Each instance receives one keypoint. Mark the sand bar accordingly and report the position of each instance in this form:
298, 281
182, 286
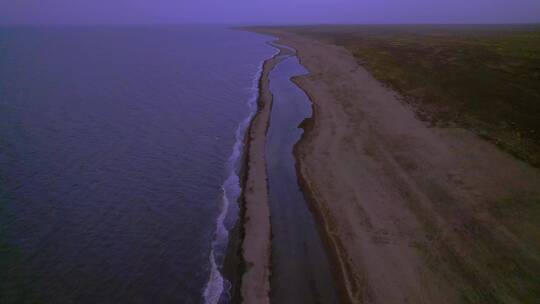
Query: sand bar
256, 247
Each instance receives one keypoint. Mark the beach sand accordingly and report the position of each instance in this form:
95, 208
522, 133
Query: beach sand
254, 285
403, 207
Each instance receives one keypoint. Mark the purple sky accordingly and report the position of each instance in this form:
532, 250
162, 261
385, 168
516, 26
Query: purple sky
268, 11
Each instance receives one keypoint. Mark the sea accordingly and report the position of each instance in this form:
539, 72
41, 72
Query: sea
120, 149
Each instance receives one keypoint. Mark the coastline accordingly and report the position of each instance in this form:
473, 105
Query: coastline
401, 215
342, 274
247, 264
341, 269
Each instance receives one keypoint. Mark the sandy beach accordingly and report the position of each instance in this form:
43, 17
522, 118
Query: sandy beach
270, 152
255, 250
403, 207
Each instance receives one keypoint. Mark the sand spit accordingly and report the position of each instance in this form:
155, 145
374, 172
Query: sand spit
256, 233
403, 207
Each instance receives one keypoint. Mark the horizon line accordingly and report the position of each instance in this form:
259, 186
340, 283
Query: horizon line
264, 24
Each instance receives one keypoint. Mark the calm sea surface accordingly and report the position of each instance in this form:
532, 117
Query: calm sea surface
118, 153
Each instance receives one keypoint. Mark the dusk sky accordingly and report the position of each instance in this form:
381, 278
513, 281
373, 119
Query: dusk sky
267, 11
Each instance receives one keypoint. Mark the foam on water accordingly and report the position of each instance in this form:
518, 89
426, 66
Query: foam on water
120, 165
218, 288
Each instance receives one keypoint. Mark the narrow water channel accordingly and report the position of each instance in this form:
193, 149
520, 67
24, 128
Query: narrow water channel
300, 269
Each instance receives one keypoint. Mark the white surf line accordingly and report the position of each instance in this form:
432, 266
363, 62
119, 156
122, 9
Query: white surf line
217, 285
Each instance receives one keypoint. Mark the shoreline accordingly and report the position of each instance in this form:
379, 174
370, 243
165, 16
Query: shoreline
247, 264
341, 275
301, 268
399, 212
340, 268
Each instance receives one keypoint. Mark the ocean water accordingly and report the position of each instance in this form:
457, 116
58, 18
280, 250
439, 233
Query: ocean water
119, 149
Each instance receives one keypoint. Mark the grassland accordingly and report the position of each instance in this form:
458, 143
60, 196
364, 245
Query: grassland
485, 78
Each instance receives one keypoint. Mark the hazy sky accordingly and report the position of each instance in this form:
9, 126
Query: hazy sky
268, 11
